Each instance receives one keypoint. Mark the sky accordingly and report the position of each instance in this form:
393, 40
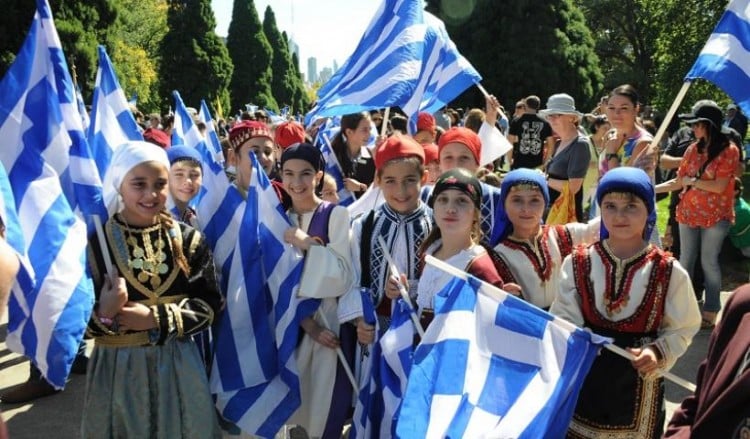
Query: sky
326, 29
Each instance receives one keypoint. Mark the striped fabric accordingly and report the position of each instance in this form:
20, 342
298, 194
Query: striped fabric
492, 365
50, 172
112, 122
725, 59
405, 59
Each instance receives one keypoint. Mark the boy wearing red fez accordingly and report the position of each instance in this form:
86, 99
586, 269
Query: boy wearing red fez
426, 128
403, 221
157, 137
461, 147
247, 136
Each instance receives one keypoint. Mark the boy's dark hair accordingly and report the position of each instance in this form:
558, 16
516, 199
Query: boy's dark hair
533, 102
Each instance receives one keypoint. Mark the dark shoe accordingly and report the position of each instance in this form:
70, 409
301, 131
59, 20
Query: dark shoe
28, 391
80, 364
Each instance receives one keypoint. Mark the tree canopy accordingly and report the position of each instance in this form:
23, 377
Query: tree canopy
252, 55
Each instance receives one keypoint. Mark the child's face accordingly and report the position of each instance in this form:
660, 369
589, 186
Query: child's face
433, 172
185, 179
454, 213
144, 193
263, 149
525, 207
329, 192
457, 155
299, 179
401, 182
624, 215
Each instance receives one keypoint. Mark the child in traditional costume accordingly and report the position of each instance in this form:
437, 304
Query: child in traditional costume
145, 376
625, 288
456, 202
530, 253
321, 230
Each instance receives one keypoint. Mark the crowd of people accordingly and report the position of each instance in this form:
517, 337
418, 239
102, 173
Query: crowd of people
566, 220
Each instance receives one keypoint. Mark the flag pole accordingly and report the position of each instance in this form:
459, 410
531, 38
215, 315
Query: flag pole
670, 114
498, 294
384, 126
341, 356
401, 288
103, 245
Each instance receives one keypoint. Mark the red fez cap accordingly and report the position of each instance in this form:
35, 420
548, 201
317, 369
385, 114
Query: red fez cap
462, 135
430, 153
157, 137
289, 133
397, 147
246, 130
426, 122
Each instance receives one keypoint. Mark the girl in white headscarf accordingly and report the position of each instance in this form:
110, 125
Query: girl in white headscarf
145, 376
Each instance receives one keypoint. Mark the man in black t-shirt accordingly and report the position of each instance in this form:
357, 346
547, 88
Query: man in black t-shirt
531, 137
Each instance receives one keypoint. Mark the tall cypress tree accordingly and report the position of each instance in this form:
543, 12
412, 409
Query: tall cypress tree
300, 97
532, 47
194, 60
282, 80
252, 55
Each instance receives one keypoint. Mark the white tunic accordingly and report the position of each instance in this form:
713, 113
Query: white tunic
537, 268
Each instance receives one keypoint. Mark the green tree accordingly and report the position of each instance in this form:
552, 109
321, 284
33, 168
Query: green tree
194, 60
141, 27
282, 80
302, 98
252, 56
82, 25
685, 32
531, 47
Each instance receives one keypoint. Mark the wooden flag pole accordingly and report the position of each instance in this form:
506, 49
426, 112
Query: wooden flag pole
670, 114
401, 288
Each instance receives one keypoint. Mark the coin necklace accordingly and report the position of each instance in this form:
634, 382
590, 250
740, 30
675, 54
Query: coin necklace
149, 259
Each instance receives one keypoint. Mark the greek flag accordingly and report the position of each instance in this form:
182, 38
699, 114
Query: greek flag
85, 120
725, 59
255, 372
405, 59
112, 122
323, 139
46, 151
384, 376
492, 365
212, 139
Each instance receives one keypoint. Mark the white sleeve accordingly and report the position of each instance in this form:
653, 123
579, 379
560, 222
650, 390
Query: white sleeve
682, 317
328, 269
350, 304
585, 233
567, 303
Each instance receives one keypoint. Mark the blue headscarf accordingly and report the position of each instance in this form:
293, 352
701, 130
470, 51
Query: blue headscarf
633, 181
513, 178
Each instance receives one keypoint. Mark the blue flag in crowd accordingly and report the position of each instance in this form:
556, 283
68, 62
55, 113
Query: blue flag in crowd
85, 120
185, 132
323, 140
45, 154
725, 59
384, 376
492, 365
212, 139
112, 122
263, 408
404, 59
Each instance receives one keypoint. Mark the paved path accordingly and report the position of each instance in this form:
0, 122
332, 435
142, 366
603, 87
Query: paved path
59, 416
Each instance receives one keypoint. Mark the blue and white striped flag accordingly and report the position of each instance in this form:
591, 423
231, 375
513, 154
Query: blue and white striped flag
258, 389
186, 132
725, 59
492, 365
384, 378
212, 139
112, 122
85, 119
325, 135
40, 125
404, 59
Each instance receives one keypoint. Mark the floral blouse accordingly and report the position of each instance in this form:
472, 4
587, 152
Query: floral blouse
699, 208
